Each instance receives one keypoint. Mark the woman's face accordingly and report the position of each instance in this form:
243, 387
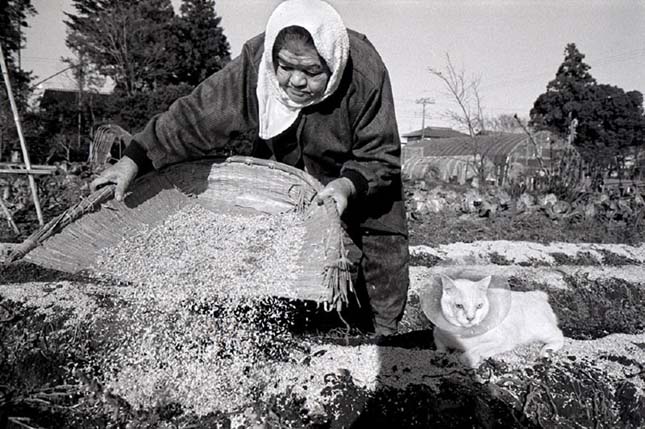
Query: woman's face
301, 73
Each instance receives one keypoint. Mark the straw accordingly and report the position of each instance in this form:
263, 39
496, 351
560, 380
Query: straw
57, 224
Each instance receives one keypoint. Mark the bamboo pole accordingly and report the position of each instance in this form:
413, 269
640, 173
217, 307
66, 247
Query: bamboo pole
23, 144
25, 171
35, 167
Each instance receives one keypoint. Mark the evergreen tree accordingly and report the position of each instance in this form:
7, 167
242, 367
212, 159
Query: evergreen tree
614, 122
151, 54
202, 47
565, 96
13, 17
127, 41
609, 120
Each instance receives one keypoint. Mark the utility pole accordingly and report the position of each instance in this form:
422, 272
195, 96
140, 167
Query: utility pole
423, 102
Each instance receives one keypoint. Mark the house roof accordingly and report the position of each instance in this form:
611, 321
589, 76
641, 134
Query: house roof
67, 96
435, 133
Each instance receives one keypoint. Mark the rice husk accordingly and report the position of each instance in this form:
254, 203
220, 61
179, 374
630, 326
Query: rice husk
194, 329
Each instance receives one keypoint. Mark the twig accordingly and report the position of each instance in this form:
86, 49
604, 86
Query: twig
44, 350
11, 316
348, 328
37, 400
535, 145
596, 406
20, 422
634, 374
507, 379
52, 395
528, 399
7, 214
550, 398
66, 387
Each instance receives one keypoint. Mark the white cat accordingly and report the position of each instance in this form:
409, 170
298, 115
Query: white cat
465, 304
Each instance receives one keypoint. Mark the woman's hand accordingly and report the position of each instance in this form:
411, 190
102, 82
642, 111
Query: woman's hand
121, 174
340, 190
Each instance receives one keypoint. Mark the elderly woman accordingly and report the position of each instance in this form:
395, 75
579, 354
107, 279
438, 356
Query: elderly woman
312, 94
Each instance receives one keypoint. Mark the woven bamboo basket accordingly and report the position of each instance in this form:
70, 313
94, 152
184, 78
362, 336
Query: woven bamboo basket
237, 185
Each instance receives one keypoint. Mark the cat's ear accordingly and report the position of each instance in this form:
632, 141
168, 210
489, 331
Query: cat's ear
446, 282
484, 283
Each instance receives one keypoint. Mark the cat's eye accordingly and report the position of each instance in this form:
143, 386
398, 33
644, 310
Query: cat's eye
459, 306
479, 306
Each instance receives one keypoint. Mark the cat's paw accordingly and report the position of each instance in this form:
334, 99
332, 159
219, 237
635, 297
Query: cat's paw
440, 348
548, 352
470, 360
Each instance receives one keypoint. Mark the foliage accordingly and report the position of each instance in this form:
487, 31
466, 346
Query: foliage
615, 122
202, 48
55, 131
86, 75
152, 55
506, 123
608, 119
132, 112
565, 95
127, 41
144, 46
13, 17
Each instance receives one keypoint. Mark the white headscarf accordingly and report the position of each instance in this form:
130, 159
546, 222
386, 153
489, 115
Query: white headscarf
277, 111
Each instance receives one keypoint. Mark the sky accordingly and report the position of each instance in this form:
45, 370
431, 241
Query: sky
513, 47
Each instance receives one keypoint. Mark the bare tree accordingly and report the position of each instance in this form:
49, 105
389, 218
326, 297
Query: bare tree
465, 92
506, 123
469, 113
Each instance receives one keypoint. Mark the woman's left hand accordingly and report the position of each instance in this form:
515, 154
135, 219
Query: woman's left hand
340, 190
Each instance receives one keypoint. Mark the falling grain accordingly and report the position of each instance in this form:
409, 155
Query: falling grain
200, 328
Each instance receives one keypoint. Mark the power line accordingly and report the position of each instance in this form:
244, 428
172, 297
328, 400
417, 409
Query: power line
54, 75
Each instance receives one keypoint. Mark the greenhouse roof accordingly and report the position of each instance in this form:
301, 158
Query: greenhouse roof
494, 145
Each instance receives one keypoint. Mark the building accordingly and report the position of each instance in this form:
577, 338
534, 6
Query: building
432, 133
500, 157
69, 98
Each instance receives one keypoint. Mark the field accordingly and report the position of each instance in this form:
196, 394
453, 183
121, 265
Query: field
288, 364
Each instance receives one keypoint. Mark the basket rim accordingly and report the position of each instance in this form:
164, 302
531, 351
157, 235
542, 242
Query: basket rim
270, 164
105, 195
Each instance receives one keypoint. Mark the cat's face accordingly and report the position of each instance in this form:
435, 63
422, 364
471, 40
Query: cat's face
464, 302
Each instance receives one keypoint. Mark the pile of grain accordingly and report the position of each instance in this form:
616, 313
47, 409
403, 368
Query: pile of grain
188, 333
199, 253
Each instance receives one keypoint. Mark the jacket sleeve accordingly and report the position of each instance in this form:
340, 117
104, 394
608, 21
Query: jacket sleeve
376, 151
207, 121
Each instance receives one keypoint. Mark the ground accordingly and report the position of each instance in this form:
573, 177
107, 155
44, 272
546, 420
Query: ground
59, 332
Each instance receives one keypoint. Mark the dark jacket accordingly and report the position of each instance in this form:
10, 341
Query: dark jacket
352, 134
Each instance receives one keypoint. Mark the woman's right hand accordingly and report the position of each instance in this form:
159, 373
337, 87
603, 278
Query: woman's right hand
121, 174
